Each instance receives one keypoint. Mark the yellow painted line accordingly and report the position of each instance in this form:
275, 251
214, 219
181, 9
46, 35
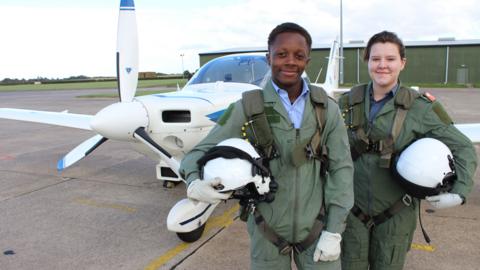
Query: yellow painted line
224, 220
104, 205
428, 248
155, 264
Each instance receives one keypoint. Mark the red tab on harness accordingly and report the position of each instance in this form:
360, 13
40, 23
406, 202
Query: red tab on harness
429, 96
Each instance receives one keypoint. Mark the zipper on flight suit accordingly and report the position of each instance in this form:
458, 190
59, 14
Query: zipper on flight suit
295, 192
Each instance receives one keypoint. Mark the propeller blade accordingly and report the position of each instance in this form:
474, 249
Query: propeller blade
80, 152
142, 135
127, 51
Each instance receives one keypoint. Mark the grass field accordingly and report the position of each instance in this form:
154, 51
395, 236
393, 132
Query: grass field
91, 85
138, 93
146, 87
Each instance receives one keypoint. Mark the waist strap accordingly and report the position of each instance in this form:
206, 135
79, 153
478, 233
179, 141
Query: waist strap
371, 222
284, 247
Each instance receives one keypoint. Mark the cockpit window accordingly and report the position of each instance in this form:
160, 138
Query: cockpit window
236, 68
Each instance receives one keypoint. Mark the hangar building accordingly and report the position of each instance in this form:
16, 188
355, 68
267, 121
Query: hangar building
444, 61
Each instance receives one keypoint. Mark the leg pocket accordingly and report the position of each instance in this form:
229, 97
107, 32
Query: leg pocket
355, 245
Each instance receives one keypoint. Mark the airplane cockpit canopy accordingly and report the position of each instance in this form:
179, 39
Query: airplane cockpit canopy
239, 68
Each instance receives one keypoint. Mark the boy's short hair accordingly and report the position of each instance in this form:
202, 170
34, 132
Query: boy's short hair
289, 27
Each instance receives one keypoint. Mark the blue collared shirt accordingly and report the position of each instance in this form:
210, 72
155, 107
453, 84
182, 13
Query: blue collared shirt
295, 109
376, 106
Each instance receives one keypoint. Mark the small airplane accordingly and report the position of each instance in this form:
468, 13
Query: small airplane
166, 126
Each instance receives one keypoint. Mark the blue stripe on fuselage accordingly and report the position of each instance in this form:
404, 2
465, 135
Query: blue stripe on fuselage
216, 115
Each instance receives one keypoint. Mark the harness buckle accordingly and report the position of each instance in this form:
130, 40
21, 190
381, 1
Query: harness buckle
298, 248
251, 208
374, 147
309, 151
407, 199
286, 249
370, 224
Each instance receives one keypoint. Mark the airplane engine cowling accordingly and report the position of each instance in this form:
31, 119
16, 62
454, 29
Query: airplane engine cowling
120, 120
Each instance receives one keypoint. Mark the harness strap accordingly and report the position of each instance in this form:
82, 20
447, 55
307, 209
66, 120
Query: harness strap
313, 147
371, 222
254, 109
284, 247
388, 144
353, 113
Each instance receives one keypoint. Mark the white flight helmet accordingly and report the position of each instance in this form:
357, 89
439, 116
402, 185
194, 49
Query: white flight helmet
426, 168
237, 164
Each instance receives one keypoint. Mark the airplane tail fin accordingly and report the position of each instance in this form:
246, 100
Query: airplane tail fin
332, 76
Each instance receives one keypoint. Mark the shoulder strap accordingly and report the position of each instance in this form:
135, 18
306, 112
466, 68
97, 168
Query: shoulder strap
252, 102
353, 111
405, 97
319, 100
262, 137
403, 102
357, 94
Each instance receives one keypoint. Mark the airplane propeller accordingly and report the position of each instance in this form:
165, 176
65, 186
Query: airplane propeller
127, 51
142, 136
80, 151
127, 119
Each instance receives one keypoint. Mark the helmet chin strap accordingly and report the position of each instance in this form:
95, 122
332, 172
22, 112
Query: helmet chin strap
425, 235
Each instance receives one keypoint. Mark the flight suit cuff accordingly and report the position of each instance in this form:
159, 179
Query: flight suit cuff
460, 190
335, 226
191, 177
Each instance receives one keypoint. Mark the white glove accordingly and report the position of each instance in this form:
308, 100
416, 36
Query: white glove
328, 247
444, 200
204, 190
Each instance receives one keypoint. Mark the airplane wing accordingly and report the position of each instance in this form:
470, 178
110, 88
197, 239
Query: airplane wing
472, 131
72, 120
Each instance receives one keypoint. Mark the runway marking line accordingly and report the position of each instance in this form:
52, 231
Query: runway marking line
224, 220
93, 203
428, 248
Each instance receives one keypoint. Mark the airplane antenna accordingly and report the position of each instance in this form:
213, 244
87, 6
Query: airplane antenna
318, 75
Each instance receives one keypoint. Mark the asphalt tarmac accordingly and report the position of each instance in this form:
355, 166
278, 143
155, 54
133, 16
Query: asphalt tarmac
109, 210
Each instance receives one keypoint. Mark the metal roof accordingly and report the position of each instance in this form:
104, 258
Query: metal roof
360, 44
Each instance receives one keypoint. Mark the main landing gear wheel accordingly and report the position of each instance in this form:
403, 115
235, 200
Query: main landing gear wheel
192, 236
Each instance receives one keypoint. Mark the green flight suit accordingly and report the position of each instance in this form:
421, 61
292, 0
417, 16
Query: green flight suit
385, 246
301, 190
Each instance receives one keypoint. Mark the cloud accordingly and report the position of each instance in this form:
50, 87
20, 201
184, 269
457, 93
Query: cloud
62, 41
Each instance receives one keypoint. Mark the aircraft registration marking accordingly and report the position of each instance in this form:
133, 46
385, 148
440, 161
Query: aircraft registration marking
224, 220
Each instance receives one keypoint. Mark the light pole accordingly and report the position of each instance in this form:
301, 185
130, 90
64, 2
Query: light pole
183, 69
341, 44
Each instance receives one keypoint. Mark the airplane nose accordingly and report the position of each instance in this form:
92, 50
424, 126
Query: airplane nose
120, 120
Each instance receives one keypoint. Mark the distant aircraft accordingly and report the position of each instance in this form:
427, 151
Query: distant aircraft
166, 126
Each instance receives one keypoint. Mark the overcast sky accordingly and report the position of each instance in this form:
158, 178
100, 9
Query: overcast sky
62, 38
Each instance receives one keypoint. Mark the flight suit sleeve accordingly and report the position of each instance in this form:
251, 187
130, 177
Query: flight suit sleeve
338, 189
228, 126
462, 148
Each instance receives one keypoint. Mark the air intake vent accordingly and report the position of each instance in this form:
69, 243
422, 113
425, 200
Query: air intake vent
176, 116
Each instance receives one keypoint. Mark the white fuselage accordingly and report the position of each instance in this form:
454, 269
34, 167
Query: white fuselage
177, 121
